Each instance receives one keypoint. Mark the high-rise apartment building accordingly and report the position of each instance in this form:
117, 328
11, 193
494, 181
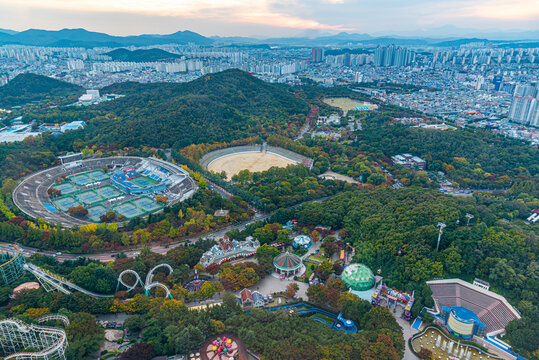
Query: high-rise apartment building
393, 56
317, 55
524, 106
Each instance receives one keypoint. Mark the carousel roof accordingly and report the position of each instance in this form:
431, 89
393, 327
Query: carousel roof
287, 261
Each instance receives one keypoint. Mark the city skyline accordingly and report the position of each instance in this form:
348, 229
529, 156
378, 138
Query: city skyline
268, 18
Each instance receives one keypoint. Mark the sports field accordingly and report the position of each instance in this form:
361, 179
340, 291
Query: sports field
94, 213
89, 197
252, 161
65, 203
347, 104
67, 188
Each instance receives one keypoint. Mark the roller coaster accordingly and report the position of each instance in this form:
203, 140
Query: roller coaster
13, 266
11, 263
48, 342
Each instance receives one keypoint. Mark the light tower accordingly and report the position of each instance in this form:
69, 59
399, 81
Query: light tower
469, 217
442, 226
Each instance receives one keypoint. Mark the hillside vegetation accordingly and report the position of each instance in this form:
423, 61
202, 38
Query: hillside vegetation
29, 87
141, 55
218, 107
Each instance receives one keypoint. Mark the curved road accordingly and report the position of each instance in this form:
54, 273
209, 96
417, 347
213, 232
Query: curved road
160, 249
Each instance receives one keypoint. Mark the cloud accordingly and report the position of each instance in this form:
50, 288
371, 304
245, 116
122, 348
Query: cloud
240, 11
268, 17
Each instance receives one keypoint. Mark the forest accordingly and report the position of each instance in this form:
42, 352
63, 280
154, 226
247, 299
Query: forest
394, 233
27, 87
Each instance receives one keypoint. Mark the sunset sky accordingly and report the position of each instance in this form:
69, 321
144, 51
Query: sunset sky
268, 17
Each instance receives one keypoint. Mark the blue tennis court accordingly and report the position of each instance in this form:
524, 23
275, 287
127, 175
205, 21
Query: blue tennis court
50, 207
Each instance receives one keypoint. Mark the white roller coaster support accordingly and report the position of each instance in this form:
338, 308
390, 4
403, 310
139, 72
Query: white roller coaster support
51, 281
16, 335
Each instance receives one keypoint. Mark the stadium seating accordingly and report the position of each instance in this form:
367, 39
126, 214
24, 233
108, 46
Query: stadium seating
491, 310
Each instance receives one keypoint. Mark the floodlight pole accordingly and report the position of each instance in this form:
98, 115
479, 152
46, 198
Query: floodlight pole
442, 226
469, 217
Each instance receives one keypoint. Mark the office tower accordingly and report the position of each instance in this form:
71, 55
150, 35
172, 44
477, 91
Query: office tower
317, 55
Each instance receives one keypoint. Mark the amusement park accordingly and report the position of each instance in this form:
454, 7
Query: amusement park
308, 274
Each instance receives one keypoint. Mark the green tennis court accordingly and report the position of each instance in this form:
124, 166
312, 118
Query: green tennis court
81, 179
108, 192
142, 181
65, 203
67, 188
128, 210
98, 175
94, 213
147, 204
89, 197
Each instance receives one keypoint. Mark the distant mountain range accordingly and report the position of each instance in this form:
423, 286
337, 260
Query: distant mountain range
84, 38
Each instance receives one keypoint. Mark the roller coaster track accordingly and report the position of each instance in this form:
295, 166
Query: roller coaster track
16, 335
149, 280
52, 282
129, 287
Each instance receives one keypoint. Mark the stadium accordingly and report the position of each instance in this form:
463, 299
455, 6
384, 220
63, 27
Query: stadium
469, 310
125, 185
254, 158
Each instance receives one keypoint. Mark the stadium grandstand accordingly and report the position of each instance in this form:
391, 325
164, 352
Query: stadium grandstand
126, 185
459, 302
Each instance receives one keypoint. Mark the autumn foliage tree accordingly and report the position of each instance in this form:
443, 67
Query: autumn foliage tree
77, 211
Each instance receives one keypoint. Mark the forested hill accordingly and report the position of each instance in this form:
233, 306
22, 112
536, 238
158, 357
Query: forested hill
142, 55
29, 87
223, 106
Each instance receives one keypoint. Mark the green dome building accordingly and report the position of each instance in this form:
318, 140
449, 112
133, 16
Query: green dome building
358, 277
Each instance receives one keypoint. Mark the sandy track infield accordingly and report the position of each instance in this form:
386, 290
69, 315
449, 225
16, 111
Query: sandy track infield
252, 161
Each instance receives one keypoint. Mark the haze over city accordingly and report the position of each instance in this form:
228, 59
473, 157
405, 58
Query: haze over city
270, 18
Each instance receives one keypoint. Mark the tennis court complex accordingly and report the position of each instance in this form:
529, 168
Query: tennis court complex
108, 192
147, 204
67, 188
94, 213
65, 203
89, 197
128, 210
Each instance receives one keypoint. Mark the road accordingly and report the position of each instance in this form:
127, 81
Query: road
160, 249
